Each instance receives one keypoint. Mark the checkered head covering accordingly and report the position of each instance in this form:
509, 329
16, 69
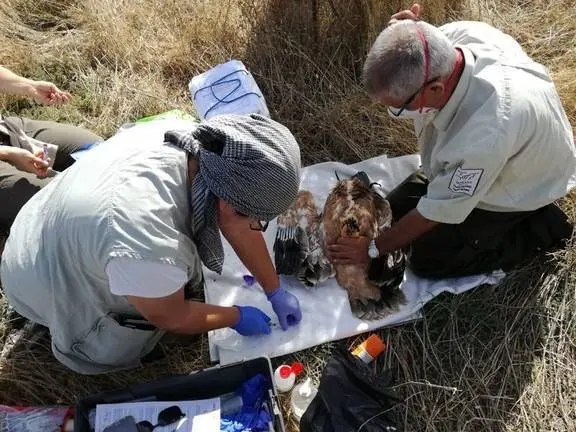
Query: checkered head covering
249, 161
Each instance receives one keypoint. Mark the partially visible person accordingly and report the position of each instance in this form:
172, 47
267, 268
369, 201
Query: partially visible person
496, 146
23, 171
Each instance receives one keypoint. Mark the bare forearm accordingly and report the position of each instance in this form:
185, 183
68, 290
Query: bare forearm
13, 83
7, 153
202, 317
248, 244
4, 153
251, 248
197, 318
404, 232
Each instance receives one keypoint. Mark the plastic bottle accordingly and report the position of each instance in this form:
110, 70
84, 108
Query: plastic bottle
371, 348
284, 376
301, 397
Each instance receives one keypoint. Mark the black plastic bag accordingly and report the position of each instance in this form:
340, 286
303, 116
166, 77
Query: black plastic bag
351, 398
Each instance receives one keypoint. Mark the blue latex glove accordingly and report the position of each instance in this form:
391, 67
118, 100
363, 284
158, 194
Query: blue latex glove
252, 321
286, 306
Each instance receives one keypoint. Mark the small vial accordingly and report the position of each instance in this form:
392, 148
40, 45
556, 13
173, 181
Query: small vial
371, 348
301, 397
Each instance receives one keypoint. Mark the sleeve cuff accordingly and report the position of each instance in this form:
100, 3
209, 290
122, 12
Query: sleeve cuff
442, 211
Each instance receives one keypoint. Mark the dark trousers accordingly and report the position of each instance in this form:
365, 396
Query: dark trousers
17, 187
484, 242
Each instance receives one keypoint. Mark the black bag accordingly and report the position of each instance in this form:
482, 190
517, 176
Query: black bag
351, 398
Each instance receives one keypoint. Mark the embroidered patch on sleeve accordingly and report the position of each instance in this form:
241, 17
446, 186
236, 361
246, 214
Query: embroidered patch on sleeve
465, 180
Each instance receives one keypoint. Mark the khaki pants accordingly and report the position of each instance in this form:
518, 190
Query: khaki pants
484, 242
17, 187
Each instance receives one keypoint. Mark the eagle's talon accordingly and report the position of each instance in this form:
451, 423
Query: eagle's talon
371, 310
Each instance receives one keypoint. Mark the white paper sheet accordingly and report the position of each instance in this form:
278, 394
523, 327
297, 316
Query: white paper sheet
325, 309
201, 415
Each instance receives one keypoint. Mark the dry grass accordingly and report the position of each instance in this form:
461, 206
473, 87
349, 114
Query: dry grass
496, 359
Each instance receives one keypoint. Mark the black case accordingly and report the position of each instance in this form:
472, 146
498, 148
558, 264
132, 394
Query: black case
209, 383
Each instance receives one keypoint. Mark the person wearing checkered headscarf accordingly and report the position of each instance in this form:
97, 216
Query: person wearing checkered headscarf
107, 256
252, 164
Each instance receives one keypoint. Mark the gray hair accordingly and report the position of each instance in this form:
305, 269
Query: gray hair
395, 63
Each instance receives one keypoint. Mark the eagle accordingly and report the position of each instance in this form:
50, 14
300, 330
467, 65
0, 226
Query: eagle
354, 207
357, 208
299, 246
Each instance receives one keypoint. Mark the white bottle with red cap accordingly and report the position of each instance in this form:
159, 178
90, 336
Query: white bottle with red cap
285, 376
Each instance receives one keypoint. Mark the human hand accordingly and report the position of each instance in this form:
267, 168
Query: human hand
409, 14
350, 250
27, 161
252, 321
47, 93
286, 306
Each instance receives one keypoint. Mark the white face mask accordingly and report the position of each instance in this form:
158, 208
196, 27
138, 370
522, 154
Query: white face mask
413, 114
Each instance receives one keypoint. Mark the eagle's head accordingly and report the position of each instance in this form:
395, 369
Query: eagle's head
358, 207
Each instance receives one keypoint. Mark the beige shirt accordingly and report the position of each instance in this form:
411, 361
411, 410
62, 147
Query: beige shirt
503, 141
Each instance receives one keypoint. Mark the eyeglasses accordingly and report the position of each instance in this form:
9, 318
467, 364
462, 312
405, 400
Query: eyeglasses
259, 226
255, 225
397, 113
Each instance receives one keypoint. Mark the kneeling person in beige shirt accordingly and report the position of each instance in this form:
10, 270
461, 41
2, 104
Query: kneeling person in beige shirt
496, 147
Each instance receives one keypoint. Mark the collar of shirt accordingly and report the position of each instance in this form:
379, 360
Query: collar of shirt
446, 114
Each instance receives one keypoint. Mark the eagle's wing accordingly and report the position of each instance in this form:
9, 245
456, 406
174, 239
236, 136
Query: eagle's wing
297, 247
290, 246
316, 268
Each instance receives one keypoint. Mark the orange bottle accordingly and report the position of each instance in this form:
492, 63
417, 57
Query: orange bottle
371, 348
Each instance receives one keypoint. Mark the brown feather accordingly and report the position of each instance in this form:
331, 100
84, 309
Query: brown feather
298, 247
